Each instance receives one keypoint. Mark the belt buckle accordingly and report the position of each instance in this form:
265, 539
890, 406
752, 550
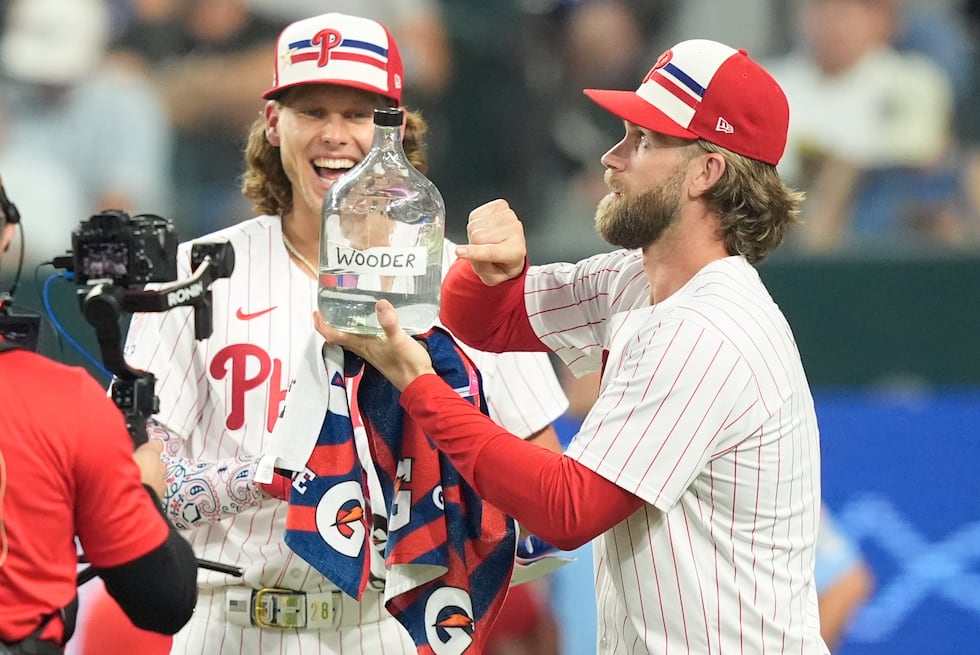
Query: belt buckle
279, 609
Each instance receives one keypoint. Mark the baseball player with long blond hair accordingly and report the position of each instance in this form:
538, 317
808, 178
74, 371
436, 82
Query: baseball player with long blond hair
221, 397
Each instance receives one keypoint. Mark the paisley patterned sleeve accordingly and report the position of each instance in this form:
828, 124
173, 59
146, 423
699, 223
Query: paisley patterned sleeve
204, 492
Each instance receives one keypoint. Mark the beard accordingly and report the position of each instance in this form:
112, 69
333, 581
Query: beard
635, 222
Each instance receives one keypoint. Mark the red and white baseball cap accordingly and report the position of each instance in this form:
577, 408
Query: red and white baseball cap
708, 90
338, 49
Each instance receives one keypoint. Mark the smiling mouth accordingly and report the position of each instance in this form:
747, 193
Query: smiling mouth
331, 169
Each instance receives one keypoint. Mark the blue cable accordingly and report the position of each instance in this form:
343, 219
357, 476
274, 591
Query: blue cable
61, 330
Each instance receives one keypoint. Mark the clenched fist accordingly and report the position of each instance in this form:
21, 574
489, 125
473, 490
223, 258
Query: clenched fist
497, 250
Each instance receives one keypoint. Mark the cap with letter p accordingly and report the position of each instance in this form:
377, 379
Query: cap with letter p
338, 49
708, 90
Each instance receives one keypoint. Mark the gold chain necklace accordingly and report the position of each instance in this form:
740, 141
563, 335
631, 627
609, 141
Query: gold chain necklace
298, 255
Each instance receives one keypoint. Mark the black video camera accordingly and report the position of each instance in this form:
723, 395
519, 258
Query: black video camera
113, 257
129, 251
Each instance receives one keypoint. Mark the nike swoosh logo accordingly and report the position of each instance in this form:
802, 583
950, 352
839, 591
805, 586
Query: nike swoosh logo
248, 317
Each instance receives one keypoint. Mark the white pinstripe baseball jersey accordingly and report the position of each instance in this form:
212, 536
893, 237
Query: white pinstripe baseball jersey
222, 395
705, 413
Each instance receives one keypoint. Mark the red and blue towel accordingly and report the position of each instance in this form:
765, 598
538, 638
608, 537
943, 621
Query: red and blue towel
449, 555
328, 521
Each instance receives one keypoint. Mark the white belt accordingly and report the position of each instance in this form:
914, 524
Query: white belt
285, 609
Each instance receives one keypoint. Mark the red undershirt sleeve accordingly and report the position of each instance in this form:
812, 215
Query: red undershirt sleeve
465, 310
551, 495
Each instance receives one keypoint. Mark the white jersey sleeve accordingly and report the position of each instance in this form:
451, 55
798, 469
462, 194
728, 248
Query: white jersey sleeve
569, 304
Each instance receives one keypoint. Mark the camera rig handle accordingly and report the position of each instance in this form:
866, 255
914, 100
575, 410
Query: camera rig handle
132, 390
90, 572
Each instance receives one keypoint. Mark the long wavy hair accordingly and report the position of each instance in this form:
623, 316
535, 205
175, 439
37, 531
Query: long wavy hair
265, 182
756, 207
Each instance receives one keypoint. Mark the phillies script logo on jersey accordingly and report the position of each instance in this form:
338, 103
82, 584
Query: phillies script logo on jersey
247, 367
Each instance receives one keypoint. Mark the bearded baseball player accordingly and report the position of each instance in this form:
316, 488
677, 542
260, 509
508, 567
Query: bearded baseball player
698, 468
221, 397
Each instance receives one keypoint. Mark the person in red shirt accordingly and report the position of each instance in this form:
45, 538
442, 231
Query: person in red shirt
67, 470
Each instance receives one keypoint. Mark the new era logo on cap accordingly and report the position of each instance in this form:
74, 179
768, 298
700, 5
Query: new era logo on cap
705, 89
338, 49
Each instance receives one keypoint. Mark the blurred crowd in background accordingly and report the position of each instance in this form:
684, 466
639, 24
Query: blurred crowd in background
144, 105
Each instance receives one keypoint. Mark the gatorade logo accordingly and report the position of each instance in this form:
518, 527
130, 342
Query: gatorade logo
340, 518
449, 621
